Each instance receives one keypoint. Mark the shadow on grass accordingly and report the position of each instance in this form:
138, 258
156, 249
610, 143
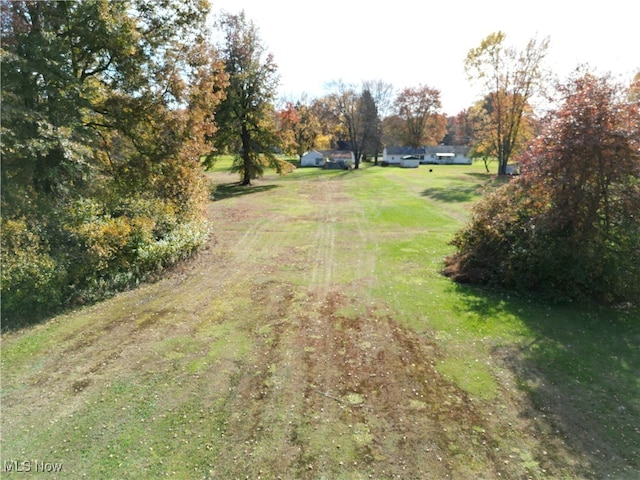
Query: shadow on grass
580, 367
11, 324
461, 193
232, 190
491, 179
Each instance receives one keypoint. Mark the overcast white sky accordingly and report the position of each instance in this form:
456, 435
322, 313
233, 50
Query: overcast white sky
411, 42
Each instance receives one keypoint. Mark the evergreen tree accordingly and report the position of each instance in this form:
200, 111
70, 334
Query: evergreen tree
246, 116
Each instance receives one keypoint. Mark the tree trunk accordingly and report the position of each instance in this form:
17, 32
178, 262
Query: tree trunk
357, 154
246, 155
502, 162
246, 171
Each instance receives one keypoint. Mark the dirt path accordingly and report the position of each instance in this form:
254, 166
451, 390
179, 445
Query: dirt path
336, 389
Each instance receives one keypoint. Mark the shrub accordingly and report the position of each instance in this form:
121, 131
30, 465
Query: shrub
177, 245
96, 255
31, 278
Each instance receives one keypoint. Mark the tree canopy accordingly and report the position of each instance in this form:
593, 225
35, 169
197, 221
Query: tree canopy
106, 107
246, 116
298, 127
510, 79
418, 107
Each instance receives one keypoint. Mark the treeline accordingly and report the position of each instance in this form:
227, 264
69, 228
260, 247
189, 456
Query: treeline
106, 109
364, 119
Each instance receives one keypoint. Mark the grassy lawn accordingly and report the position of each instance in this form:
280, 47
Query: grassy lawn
315, 338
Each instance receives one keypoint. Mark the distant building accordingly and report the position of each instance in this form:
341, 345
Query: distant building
448, 154
328, 159
394, 155
410, 161
441, 155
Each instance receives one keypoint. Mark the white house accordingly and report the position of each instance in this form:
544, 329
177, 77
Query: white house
313, 158
441, 154
394, 155
327, 158
447, 154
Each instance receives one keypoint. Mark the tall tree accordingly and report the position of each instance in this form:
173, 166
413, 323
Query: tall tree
510, 79
382, 94
345, 101
418, 107
246, 116
357, 113
371, 125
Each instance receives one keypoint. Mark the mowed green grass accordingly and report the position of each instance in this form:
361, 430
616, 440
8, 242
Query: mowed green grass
261, 358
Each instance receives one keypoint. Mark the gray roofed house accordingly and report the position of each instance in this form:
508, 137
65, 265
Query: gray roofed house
447, 154
440, 154
327, 158
394, 155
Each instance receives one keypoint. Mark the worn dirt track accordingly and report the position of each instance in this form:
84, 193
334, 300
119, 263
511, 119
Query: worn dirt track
345, 389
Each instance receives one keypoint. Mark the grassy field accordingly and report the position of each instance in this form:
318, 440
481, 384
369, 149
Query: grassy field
316, 339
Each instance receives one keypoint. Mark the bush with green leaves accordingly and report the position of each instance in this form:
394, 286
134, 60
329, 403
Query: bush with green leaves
31, 278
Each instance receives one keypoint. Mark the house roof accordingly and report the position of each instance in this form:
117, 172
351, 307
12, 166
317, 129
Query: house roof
405, 151
333, 154
312, 152
441, 149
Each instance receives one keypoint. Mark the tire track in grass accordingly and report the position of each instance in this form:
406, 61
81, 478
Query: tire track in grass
324, 242
343, 252
323, 249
